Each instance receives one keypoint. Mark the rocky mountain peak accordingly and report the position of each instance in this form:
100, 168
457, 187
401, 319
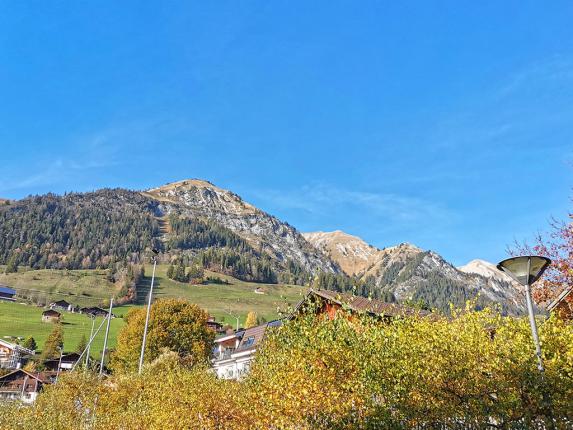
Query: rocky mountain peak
352, 254
201, 199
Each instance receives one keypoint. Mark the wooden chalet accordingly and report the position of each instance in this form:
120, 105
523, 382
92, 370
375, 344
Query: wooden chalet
562, 306
62, 305
217, 327
51, 315
95, 311
7, 293
24, 386
329, 303
65, 363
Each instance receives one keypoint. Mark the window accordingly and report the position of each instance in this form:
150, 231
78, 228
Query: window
249, 342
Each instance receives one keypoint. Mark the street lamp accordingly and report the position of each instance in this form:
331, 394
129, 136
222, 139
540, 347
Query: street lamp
155, 252
526, 270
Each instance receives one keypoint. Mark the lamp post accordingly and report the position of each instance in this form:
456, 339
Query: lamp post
155, 252
526, 270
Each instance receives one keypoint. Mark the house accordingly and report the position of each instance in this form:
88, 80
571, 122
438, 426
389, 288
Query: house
13, 356
7, 293
562, 306
94, 311
51, 315
66, 362
62, 305
24, 386
330, 302
233, 353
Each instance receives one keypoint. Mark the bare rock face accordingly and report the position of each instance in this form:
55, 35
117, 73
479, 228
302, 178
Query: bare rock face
352, 254
411, 273
198, 198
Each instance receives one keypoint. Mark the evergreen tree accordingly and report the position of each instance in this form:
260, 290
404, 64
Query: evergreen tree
12, 265
170, 271
30, 343
82, 344
180, 273
53, 344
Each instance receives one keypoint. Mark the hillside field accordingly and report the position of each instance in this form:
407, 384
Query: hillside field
89, 287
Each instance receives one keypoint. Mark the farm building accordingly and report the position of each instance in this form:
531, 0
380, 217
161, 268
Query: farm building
22, 385
95, 312
66, 363
7, 293
62, 305
51, 315
13, 356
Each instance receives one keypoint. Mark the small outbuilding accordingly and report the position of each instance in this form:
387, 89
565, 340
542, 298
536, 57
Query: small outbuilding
51, 315
62, 305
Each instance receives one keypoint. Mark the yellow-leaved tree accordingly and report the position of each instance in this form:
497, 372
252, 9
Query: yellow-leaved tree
174, 325
252, 320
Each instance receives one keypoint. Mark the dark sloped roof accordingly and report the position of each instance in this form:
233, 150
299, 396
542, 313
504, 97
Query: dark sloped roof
253, 336
363, 304
7, 290
51, 312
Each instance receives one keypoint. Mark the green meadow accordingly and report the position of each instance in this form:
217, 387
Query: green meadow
89, 287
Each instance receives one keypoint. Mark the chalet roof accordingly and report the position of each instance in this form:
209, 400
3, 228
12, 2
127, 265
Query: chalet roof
51, 312
61, 303
363, 304
40, 376
71, 357
564, 294
7, 290
253, 336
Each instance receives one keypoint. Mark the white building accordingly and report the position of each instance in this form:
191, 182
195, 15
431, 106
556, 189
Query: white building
233, 354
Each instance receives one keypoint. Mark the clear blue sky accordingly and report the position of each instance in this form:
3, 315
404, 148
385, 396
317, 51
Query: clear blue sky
444, 124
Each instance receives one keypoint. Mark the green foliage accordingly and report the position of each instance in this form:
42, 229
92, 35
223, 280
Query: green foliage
30, 343
12, 265
78, 230
82, 344
187, 233
243, 266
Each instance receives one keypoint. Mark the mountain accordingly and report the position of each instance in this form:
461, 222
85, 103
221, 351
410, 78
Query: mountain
201, 199
352, 254
412, 274
199, 225
191, 221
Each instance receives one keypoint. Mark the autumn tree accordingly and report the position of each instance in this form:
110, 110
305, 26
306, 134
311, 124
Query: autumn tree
252, 320
174, 324
54, 343
557, 244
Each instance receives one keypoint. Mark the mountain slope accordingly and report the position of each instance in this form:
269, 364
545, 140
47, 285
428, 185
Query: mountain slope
412, 274
264, 232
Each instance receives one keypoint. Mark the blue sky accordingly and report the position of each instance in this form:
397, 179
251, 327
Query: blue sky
444, 124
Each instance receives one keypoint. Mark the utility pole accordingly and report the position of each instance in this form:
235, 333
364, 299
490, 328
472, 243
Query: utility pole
155, 252
106, 335
59, 363
90, 343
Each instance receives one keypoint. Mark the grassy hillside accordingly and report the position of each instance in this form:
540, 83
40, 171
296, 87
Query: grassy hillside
89, 287
20, 320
